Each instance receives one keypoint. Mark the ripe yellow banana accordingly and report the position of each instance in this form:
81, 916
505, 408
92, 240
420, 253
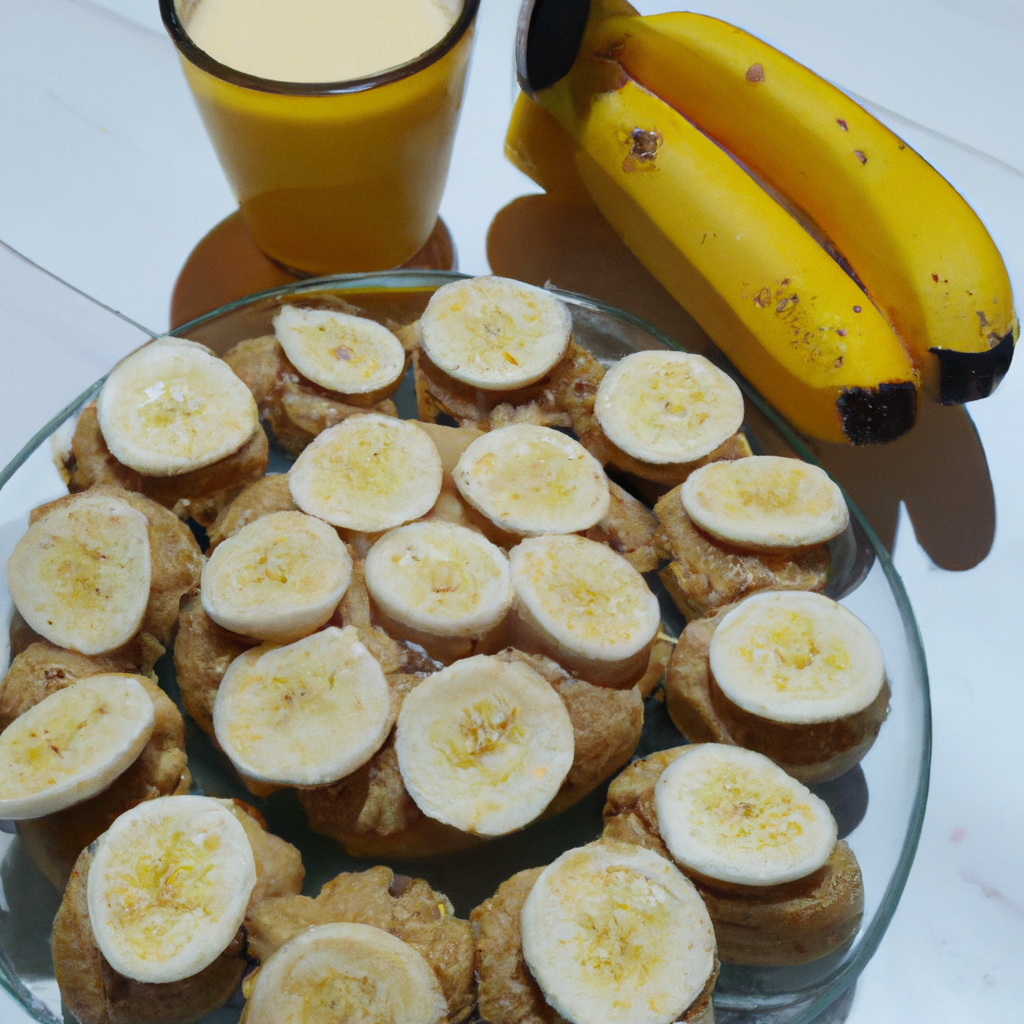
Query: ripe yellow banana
778, 305
539, 146
920, 251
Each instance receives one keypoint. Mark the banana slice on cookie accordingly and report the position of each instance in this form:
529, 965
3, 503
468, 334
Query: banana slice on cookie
348, 354
733, 815
172, 407
765, 503
278, 579
585, 606
668, 407
369, 473
493, 333
796, 657
72, 745
439, 578
168, 887
306, 714
484, 745
346, 972
531, 480
80, 575
615, 934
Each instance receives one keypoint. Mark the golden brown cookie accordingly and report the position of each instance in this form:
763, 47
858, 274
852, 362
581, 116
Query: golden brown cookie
549, 402
703, 714
406, 908
508, 992
97, 994
199, 494
176, 563
260, 498
296, 408
766, 926
55, 841
706, 573
371, 813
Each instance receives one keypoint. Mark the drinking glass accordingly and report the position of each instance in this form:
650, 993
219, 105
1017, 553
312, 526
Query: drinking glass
333, 176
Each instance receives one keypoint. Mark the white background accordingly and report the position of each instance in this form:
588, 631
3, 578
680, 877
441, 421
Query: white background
107, 179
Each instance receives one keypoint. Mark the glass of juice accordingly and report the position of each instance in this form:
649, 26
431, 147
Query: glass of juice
333, 119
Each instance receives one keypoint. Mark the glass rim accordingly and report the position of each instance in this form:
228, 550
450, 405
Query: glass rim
201, 59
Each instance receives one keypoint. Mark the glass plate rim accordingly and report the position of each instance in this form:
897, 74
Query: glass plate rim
845, 974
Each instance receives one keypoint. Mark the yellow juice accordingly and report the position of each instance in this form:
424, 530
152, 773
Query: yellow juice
339, 177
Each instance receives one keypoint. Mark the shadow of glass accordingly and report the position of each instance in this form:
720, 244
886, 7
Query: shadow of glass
227, 265
938, 470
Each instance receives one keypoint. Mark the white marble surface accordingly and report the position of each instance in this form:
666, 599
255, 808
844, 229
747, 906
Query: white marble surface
107, 179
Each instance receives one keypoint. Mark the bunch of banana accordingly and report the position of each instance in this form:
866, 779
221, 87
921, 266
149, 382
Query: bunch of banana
834, 267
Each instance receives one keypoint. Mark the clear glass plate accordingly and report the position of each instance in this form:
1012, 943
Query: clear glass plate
879, 805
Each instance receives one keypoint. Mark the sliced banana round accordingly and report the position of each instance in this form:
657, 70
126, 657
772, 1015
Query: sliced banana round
80, 575
532, 480
484, 745
796, 657
440, 578
304, 715
168, 887
346, 972
172, 407
493, 333
72, 745
369, 473
765, 502
731, 814
615, 934
586, 597
279, 578
668, 407
338, 351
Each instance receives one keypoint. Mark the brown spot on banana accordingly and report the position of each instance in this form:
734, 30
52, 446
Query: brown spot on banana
755, 73
643, 150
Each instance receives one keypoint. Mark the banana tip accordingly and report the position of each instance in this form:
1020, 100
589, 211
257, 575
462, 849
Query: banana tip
968, 376
879, 414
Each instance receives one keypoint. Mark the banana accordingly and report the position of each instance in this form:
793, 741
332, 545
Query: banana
279, 578
668, 407
172, 407
538, 145
440, 579
765, 503
920, 251
348, 354
783, 311
530, 480
345, 971
732, 815
72, 744
168, 887
493, 333
306, 714
615, 934
81, 574
584, 605
369, 473
797, 658
484, 745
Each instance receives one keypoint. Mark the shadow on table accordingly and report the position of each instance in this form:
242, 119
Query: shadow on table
938, 470
226, 265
